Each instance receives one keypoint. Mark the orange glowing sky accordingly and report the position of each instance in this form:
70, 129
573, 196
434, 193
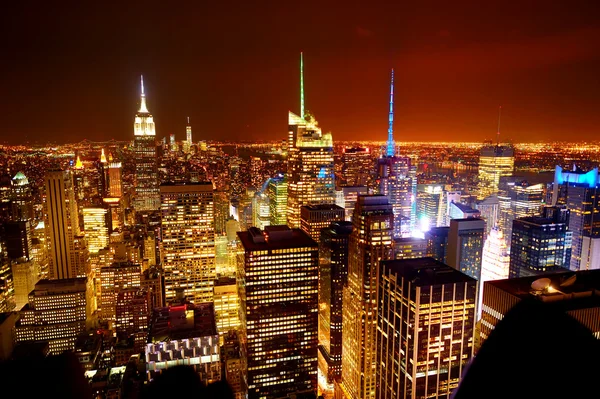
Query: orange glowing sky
72, 73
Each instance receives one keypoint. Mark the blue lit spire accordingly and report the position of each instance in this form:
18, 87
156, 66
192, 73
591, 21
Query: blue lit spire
391, 145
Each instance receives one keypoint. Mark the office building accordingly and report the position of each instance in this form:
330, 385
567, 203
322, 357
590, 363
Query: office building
115, 188
188, 241
152, 282
113, 279
437, 243
17, 237
22, 198
346, 197
489, 210
425, 328
333, 275
517, 199
62, 225
429, 207
277, 194
226, 305
465, 245
410, 248
538, 246
580, 192
461, 211
56, 313
310, 174
278, 290
358, 167
132, 318
370, 242
495, 161
97, 227
184, 335
24, 278
147, 195
314, 218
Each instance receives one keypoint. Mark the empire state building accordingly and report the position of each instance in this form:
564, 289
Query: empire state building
147, 195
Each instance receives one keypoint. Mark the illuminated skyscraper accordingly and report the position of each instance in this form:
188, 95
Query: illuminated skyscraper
333, 275
358, 167
22, 198
429, 207
310, 172
395, 180
580, 191
114, 278
495, 161
277, 285
495, 261
410, 248
518, 199
277, 193
132, 317
97, 227
346, 197
188, 241
261, 215
226, 305
57, 314
370, 242
114, 180
489, 209
188, 131
314, 218
147, 196
62, 225
465, 245
24, 279
425, 328
538, 246
437, 243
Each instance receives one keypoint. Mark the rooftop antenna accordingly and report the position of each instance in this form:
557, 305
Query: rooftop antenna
143, 107
498, 134
301, 86
391, 146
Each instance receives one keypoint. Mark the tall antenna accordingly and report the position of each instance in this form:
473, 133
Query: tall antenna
498, 134
301, 86
143, 107
188, 119
142, 82
391, 146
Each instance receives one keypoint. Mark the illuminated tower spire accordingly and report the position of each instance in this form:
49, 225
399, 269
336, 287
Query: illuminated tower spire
301, 86
103, 157
78, 163
143, 108
391, 146
498, 134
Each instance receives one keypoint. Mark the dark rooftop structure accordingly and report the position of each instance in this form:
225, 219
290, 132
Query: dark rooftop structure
425, 271
568, 289
183, 321
274, 237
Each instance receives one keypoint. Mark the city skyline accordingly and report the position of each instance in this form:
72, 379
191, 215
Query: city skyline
452, 70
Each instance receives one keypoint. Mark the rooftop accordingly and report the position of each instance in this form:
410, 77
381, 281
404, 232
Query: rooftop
183, 321
572, 290
425, 271
275, 237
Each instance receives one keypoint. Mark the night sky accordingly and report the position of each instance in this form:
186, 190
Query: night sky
72, 72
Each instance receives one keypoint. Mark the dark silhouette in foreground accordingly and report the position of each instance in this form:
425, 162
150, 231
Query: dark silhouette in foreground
536, 351
184, 382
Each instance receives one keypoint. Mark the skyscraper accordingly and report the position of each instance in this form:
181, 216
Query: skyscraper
495, 161
310, 173
97, 227
437, 243
277, 194
188, 241
518, 198
277, 285
465, 245
358, 167
114, 180
333, 275
425, 327
22, 198
188, 132
538, 246
370, 242
314, 218
580, 191
147, 196
62, 225
395, 179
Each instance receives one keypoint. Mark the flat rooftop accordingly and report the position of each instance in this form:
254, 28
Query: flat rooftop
183, 321
570, 289
426, 271
290, 238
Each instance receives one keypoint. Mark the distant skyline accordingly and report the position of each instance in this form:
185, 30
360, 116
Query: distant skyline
72, 72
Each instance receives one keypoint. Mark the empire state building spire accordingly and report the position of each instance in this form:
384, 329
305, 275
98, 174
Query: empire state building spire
391, 145
143, 107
